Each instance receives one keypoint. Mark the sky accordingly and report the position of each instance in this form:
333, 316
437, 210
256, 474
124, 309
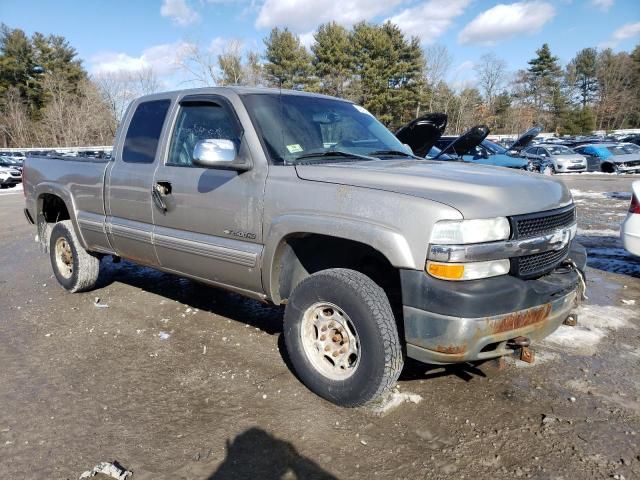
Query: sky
120, 35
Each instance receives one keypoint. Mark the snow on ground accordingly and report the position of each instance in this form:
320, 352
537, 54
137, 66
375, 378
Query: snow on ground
595, 322
609, 232
9, 191
589, 194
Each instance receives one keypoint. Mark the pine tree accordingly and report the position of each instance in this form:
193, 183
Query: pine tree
288, 64
582, 74
333, 58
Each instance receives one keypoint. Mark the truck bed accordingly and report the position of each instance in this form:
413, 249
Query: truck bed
78, 180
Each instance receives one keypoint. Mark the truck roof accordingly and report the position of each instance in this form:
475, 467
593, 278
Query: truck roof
239, 91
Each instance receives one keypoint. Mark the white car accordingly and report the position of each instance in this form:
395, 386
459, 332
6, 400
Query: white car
630, 231
9, 177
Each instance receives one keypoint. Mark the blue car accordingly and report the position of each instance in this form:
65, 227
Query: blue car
611, 157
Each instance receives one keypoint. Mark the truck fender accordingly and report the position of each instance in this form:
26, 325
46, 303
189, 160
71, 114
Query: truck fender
390, 243
66, 197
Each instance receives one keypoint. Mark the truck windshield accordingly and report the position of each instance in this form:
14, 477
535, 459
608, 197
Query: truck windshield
297, 128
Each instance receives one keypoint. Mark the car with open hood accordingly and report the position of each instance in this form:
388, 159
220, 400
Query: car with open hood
473, 146
612, 157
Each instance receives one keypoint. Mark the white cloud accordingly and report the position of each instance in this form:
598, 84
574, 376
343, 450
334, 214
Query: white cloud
603, 5
629, 30
429, 20
162, 59
504, 21
307, 39
302, 16
179, 11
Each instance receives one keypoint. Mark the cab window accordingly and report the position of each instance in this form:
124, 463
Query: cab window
200, 121
144, 131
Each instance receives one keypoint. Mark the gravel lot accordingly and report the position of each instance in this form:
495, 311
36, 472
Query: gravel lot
175, 380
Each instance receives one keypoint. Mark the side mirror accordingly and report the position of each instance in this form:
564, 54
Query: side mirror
215, 153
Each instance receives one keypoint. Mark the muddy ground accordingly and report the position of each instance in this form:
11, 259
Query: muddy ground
175, 380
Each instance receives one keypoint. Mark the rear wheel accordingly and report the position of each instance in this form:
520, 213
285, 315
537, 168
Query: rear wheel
75, 268
342, 338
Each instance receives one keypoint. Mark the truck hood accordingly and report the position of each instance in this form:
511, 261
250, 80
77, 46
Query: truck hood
476, 191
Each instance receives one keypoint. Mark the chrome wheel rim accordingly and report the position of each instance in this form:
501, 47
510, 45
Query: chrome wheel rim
330, 341
64, 257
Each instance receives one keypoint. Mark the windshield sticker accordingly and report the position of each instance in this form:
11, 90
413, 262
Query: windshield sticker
362, 110
295, 148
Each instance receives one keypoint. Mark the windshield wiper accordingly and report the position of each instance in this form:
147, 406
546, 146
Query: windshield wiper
400, 153
333, 153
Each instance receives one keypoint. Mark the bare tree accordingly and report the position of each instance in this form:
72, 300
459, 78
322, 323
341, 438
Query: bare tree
120, 88
200, 64
254, 76
15, 125
437, 63
74, 116
232, 71
492, 73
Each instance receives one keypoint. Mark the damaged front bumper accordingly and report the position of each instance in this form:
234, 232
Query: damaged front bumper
451, 322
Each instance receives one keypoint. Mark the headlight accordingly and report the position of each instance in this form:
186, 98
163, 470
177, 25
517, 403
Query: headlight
457, 232
468, 271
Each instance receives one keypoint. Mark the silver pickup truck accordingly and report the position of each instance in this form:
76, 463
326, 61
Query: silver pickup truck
310, 202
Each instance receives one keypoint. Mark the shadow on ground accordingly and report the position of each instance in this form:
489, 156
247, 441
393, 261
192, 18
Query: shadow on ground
256, 454
267, 318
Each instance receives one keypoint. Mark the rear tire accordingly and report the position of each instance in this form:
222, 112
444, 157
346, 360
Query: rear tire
342, 338
75, 269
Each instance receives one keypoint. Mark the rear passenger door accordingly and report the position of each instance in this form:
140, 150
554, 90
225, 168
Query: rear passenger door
129, 213
212, 226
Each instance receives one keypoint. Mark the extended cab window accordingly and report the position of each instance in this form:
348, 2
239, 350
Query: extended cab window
200, 121
143, 135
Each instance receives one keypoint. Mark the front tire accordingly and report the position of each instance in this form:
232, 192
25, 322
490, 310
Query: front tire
75, 268
342, 338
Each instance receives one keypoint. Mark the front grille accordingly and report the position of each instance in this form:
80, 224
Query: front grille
539, 263
15, 174
542, 223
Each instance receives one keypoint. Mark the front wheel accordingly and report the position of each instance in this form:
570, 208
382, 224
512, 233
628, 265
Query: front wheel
342, 337
75, 268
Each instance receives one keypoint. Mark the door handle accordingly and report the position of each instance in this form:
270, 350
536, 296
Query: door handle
160, 190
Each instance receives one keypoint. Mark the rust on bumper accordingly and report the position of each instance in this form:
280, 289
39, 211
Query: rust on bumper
440, 339
523, 318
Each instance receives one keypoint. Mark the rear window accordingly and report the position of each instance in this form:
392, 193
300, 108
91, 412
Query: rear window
143, 135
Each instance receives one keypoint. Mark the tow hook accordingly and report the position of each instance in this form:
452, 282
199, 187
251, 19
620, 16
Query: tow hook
520, 345
571, 320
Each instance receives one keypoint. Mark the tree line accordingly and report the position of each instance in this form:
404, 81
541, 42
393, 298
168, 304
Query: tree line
47, 98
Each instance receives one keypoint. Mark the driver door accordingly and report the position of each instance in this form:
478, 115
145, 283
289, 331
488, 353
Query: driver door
212, 226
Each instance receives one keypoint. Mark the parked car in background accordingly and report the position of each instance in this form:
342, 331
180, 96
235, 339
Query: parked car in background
630, 231
635, 139
10, 162
561, 159
611, 157
9, 177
